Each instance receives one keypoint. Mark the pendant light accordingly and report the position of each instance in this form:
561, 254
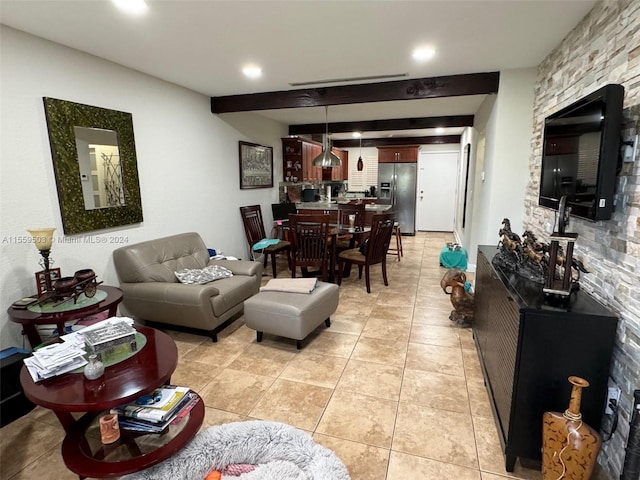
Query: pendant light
326, 159
360, 165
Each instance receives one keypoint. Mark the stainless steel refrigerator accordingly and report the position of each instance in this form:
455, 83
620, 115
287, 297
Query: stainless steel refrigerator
397, 187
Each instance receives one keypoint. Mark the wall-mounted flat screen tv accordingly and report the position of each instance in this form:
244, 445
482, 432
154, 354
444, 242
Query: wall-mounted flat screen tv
580, 154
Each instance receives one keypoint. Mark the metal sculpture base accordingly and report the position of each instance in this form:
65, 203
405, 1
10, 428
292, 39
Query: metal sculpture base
505, 260
559, 284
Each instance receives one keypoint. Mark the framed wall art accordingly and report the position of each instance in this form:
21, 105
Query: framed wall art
256, 166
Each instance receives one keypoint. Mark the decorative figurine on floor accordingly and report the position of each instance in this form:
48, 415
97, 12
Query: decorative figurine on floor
569, 446
461, 298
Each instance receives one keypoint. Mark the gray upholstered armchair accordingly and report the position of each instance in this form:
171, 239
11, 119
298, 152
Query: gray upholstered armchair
153, 293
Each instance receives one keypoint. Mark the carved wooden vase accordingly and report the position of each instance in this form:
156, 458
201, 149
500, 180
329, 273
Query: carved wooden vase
569, 446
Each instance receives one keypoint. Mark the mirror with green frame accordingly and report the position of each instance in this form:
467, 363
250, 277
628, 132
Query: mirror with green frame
95, 166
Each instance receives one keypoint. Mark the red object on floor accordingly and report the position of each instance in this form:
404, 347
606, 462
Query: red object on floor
215, 475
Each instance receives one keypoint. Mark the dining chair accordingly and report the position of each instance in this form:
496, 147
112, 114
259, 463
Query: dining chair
254, 230
309, 235
375, 252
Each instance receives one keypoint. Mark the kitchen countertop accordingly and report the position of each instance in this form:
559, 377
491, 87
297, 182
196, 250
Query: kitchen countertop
334, 206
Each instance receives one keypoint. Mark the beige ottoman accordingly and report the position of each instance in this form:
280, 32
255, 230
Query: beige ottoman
291, 315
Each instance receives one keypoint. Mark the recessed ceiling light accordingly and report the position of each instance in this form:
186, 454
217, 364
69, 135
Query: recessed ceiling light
132, 7
252, 71
356, 134
439, 130
423, 54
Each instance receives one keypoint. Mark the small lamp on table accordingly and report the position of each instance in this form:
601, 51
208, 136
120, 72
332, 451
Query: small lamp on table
43, 238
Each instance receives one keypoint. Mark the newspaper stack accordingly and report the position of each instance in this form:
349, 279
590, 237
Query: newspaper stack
54, 360
59, 358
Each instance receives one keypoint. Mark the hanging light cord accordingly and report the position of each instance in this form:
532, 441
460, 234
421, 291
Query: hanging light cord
326, 130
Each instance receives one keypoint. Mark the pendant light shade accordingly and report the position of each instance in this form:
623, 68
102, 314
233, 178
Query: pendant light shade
326, 159
360, 164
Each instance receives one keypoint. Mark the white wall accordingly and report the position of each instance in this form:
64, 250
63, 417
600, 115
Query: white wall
187, 163
505, 121
462, 234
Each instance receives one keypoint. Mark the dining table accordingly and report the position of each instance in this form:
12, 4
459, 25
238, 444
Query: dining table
335, 230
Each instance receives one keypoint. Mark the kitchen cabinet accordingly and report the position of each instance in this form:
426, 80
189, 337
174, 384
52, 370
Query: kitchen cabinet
528, 349
298, 155
309, 152
398, 154
341, 172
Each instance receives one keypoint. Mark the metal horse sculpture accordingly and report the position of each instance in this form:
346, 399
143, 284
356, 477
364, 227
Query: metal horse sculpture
461, 300
510, 240
535, 250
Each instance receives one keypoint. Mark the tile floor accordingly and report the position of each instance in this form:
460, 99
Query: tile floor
393, 387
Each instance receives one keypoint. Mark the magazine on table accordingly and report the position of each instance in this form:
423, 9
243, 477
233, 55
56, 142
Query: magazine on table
142, 425
162, 404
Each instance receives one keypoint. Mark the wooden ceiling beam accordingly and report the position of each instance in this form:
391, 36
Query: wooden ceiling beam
412, 89
383, 125
396, 141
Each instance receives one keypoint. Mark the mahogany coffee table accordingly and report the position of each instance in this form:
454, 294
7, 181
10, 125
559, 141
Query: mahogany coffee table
82, 450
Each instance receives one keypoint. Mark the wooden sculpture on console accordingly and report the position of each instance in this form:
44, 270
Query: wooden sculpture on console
461, 299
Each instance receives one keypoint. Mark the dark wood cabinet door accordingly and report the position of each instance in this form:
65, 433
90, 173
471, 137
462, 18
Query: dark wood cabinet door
309, 152
404, 154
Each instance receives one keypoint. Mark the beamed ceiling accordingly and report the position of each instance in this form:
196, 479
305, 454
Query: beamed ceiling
404, 90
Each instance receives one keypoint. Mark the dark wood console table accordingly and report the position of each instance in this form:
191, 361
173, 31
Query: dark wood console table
527, 350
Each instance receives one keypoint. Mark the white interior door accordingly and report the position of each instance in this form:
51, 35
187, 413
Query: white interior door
437, 177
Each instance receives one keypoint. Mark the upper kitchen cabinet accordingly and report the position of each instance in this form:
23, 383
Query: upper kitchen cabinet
341, 172
402, 154
309, 152
298, 155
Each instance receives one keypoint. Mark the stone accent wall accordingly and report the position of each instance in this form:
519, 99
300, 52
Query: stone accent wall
603, 48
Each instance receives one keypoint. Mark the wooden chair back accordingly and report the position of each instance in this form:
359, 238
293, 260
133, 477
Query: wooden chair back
309, 236
351, 209
381, 232
253, 224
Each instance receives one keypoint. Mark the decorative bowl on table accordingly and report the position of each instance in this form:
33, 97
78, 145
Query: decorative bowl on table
85, 274
65, 284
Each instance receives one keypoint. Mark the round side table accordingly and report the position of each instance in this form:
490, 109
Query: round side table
29, 319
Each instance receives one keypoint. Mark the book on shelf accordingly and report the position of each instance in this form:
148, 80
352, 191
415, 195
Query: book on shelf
164, 402
151, 426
